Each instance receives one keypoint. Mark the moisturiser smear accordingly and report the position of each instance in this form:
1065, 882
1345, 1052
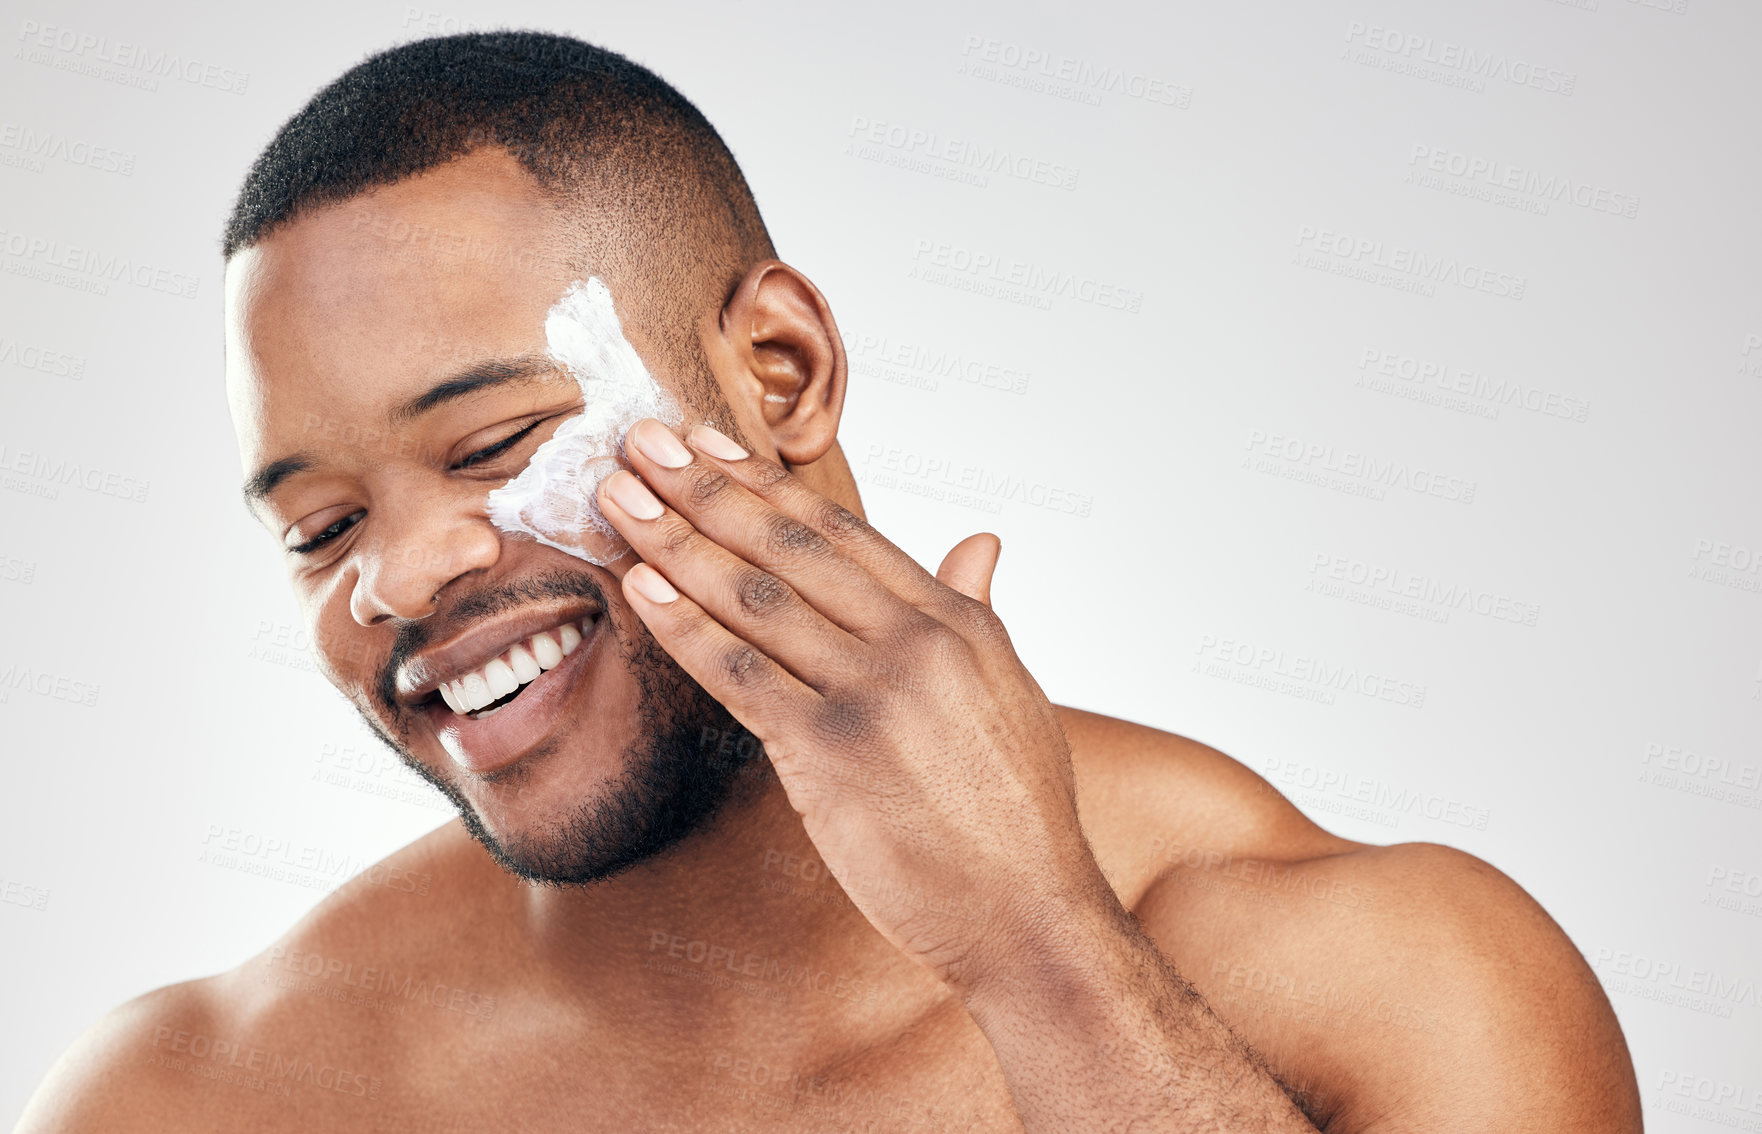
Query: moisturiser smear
552, 500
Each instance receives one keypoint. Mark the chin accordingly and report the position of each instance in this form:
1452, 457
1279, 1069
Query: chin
672, 787
605, 759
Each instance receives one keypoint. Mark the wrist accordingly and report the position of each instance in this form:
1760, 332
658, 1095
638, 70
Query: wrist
1049, 951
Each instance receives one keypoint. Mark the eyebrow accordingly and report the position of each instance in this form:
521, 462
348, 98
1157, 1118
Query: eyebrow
478, 376
264, 480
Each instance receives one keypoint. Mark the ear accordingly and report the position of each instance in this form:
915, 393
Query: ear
789, 356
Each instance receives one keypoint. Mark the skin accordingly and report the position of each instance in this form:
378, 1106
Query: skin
1016, 915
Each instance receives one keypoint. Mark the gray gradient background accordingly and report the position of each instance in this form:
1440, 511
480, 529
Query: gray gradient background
1530, 747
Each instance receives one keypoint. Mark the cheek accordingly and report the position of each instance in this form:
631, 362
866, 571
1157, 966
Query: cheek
340, 647
552, 500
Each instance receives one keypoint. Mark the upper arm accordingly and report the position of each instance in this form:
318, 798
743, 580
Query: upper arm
120, 1075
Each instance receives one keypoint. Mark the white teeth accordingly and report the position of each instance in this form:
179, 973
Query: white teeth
475, 690
500, 676
544, 648
521, 664
524, 665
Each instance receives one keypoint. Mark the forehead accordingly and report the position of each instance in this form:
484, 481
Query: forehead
349, 308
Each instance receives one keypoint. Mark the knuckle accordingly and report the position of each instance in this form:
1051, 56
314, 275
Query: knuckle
788, 536
766, 475
688, 631
941, 643
759, 593
980, 622
706, 484
838, 521
742, 663
691, 628
675, 535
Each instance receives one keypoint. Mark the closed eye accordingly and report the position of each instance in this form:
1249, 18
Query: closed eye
327, 534
491, 452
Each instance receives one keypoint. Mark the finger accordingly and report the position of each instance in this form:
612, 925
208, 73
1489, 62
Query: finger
969, 565
761, 694
844, 529
703, 490
754, 605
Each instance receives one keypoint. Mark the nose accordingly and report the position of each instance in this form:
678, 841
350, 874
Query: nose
411, 557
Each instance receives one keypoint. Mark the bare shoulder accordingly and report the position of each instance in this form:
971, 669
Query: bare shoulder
1391, 986
1154, 801
116, 1076
304, 1035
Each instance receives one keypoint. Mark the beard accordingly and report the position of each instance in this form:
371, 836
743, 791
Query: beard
675, 778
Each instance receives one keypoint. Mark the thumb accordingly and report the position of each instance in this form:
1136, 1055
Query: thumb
969, 564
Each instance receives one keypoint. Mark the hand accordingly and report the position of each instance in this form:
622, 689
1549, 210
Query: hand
929, 769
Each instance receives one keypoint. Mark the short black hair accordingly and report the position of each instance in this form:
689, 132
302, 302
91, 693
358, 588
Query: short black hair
586, 122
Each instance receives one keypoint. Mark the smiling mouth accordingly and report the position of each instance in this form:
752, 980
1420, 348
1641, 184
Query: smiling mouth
486, 690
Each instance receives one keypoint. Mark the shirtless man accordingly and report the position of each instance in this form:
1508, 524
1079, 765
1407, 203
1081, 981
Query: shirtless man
788, 839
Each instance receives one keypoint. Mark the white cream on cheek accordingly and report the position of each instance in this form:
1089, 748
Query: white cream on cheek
552, 500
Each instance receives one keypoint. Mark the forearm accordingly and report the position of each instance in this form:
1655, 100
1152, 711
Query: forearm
1095, 1030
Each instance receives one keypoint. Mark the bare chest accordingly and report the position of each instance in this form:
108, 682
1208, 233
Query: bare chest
535, 1080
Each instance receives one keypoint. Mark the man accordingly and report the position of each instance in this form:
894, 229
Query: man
764, 827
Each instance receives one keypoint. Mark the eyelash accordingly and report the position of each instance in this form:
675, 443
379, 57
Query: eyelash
487, 453
493, 451
327, 534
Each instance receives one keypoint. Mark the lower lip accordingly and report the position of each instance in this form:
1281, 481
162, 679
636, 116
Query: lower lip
489, 744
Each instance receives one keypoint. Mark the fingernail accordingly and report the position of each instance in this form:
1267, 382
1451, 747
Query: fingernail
650, 584
633, 496
716, 444
660, 446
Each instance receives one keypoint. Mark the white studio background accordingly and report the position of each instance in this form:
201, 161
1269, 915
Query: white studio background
1419, 471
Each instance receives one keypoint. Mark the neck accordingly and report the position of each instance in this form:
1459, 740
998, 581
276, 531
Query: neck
738, 923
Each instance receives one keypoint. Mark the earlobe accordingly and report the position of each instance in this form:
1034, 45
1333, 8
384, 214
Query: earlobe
781, 332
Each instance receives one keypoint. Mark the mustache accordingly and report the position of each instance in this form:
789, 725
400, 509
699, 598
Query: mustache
411, 637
